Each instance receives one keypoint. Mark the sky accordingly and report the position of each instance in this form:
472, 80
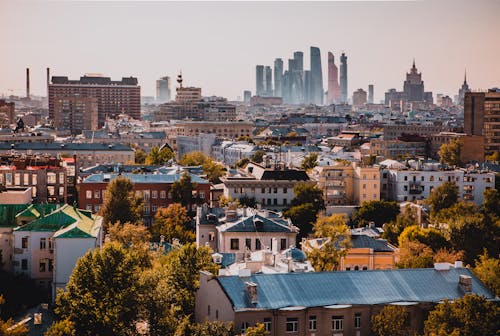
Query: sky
218, 44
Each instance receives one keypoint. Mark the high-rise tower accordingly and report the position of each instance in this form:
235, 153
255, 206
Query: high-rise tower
333, 81
163, 92
343, 78
278, 77
316, 77
370, 94
461, 92
268, 81
414, 86
259, 80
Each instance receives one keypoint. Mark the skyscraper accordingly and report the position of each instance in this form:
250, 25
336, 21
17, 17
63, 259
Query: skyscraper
370, 94
246, 96
464, 89
268, 83
278, 77
308, 92
333, 81
163, 89
316, 77
259, 80
359, 98
343, 78
296, 69
414, 86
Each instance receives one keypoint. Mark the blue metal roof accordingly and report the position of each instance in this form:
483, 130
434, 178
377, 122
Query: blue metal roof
251, 224
144, 178
317, 289
363, 241
41, 146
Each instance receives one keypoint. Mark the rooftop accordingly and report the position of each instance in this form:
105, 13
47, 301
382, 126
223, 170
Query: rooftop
143, 178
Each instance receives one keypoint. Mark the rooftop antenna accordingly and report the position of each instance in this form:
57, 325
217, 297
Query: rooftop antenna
179, 79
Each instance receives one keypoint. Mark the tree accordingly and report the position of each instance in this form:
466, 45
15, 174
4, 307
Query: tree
414, 254
306, 192
214, 328
172, 222
457, 210
471, 315
443, 197
103, 293
9, 328
61, 328
310, 161
448, 255
491, 202
182, 190
140, 156
450, 153
129, 234
393, 229
249, 202
258, 330
195, 158
494, 157
120, 204
390, 321
258, 156
159, 156
488, 271
212, 169
379, 212
430, 237
242, 163
327, 257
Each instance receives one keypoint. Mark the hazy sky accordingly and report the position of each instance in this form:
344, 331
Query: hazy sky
218, 44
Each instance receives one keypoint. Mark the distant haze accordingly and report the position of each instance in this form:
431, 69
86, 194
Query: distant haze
218, 44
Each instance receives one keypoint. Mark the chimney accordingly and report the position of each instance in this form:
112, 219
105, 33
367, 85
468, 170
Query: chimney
465, 283
251, 289
28, 83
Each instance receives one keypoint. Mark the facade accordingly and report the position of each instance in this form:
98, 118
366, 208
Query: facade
481, 115
333, 81
316, 77
190, 105
398, 149
416, 181
330, 303
113, 97
359, 98
348, 184
230, 153
154, 188
246, 96
245, 230
75, 113
7, 112
278, 77
394, 132
226, 130
163, 91
202, 142
343, 78
258, 100
35, 245
270, 187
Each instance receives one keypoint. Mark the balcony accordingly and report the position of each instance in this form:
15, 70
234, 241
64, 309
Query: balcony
415, 188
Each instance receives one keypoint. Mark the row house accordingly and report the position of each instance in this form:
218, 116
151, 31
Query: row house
272, 187
330, 303
154, 188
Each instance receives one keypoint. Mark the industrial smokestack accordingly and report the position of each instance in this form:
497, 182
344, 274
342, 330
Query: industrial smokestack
28, 83
48, 81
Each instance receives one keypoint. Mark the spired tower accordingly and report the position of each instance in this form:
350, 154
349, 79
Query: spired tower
465, 88
413, 85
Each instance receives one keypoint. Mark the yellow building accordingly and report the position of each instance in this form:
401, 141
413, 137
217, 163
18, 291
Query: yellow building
347, 183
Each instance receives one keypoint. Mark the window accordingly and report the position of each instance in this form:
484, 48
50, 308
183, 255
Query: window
146, 195
17, 179
364, 186
43, 243
51, 178
244, 327
258, 245
26, 179
357, 320
24, 242
285, 201
51, 190
268, 201
24, 264
422, 178
292, 324
145, 209
202, 194
61, 178
216, 314
313, 323
406, 178
51, 265
163, 194
236, 190
263, 190
61, 191
88, 194
34, 179
97, 194
267, 324
208, 310
248, 243
337, 323
275, 190
154, 207
235, 244
88, 207
365, 268
285, 190
283, 243
154, 194
431, 178
42, 266
275, 201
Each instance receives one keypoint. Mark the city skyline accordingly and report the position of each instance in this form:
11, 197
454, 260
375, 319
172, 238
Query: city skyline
121, 39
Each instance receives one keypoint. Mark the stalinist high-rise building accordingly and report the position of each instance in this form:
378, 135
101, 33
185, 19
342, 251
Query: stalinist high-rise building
343, 78
333, 81
463, 90
414, 85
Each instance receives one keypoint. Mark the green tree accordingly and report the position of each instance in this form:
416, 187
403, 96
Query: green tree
379, 212
414, 254
310, 161
242, 163
491, 202
133, 237
61, 328
337, 234
102, 295
182, 190
246, 201
172, 222
393, 229
390, 321
431, 237
140, 156
212, 169
494, 157
450, 153
258, 330
258, 156
120, 204
306, 192
9, 328
488, 271
157, 156
195, 158
214, 328
443, 197
457, 210
471, 315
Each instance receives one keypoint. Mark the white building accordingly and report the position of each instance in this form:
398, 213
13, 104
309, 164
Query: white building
416, 181
198, 143
229, 152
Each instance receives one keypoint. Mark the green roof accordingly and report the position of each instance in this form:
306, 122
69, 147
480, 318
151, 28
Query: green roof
9, 213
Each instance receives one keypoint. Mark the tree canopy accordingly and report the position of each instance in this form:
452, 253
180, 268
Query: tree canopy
443, 197
450, 153
8, 327
182, 190
393, 229
488, 271
390, 321
120, 203
258, 156
157, 156
310, 161
379, 212
212, 169
337, 234
172, 222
